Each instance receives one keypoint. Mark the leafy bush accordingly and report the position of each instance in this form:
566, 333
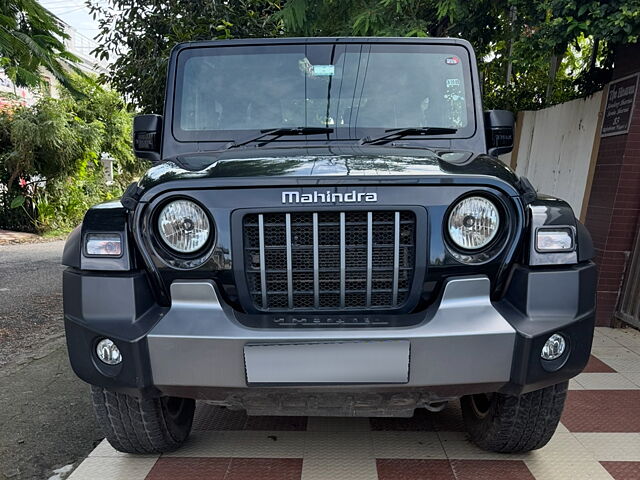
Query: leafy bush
63, 203
50, 168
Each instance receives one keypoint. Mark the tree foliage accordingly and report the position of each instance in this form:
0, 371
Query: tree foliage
138, 36
555, 49
50, 156
55, 136
31, 39
531, 53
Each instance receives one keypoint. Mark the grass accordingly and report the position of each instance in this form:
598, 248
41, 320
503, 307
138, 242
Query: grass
56, 233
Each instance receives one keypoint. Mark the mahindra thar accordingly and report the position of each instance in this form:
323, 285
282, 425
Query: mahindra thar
327, 230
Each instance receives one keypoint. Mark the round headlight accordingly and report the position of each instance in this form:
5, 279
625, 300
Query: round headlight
183, 226
473, 223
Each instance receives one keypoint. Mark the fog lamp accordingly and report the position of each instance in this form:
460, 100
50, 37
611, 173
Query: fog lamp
553, 347
108, 352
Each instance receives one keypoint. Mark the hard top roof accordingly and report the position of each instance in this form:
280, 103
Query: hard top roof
320, 40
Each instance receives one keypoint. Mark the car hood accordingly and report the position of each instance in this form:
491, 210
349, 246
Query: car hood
280, 166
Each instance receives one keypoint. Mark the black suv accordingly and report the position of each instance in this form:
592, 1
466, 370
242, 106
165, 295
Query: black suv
327, 230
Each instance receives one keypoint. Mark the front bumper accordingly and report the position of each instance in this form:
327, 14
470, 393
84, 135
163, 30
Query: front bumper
464, 343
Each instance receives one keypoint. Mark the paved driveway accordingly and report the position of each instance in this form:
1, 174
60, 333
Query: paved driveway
599, 439
30, 297
46, 420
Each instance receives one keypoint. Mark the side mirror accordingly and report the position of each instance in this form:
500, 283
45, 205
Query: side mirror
147, 131
499, 126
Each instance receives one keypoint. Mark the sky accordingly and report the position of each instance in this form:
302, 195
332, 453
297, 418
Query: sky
75, 13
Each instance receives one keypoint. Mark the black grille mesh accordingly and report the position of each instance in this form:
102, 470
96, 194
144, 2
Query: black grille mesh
327, 261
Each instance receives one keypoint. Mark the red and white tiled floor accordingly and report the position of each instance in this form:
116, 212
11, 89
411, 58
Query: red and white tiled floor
599, 438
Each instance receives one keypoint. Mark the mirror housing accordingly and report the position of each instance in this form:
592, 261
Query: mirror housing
147, 131
499, 127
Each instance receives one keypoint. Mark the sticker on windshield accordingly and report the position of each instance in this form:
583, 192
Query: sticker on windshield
323, 70
452, 60
317, 70
453, 82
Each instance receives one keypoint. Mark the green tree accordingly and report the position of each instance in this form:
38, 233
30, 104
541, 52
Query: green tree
50, 156
32, 39
531, 53
141, 34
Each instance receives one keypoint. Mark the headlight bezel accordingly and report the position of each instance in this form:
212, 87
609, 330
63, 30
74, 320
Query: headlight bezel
495, 246
174, 258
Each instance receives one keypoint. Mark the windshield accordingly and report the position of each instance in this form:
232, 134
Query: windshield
355, 89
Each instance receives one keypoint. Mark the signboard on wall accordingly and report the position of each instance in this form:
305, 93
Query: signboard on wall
619, 108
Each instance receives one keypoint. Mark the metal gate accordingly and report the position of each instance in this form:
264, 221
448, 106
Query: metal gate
629, 307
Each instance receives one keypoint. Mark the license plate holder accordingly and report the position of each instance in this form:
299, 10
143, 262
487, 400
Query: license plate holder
348, 362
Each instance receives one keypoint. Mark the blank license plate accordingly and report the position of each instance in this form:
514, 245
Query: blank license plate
323, 363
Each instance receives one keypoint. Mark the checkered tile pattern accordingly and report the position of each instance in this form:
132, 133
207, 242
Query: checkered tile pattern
599, 438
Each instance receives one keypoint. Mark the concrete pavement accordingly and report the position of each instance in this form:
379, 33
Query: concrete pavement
30, 297
46, 420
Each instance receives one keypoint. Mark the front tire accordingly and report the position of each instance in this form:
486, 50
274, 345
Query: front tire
510, 424
135, 425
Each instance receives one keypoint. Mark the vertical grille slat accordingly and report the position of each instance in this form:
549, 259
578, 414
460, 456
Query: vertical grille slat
289, 261
369, 255
329, 261
263, 272
396, 257
342, 260
316, 263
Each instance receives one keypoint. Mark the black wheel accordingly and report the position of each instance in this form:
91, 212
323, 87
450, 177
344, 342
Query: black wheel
134, 425
508, 424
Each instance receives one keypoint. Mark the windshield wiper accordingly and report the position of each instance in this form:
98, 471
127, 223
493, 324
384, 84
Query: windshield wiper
278, 132
405, 132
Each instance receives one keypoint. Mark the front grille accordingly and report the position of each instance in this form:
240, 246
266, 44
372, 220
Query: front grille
352, 260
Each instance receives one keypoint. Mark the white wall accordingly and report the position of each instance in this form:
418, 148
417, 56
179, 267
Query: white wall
555, 148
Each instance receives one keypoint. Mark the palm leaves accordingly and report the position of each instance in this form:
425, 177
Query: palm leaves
32, 39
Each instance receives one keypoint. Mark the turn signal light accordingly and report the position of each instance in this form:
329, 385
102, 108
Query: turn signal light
554, 240
103, 244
